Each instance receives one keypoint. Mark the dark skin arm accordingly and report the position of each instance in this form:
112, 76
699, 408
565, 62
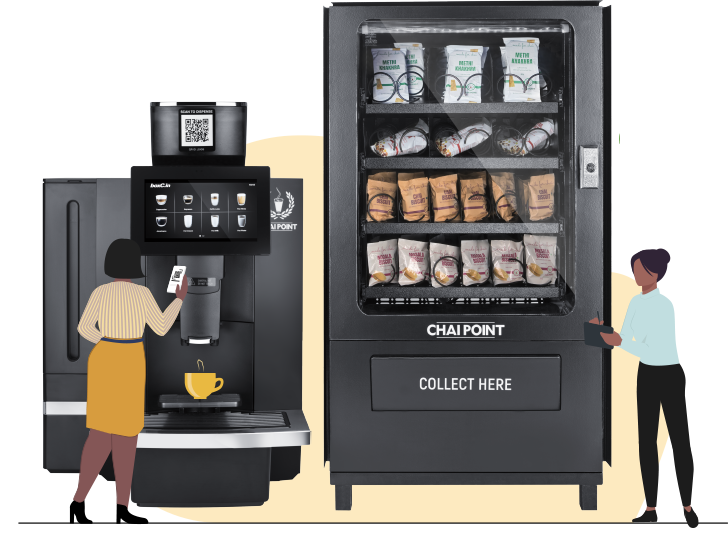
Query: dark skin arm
613, 339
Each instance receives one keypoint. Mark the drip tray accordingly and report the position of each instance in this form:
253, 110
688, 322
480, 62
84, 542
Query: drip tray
221, 401
216, 421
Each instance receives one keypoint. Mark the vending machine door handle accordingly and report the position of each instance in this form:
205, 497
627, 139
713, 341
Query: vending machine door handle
589, 167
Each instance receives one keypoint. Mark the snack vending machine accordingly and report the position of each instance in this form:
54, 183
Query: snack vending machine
467, 242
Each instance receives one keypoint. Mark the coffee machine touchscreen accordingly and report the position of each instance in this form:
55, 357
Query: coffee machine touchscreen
200, 210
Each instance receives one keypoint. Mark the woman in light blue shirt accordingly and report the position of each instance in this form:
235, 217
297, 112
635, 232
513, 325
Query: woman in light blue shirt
648, 332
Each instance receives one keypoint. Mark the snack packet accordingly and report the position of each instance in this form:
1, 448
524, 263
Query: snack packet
475, 261
472, 136
504, 194
444, 195
393, 63
472, 191
521, 59
381, 208
382, 258
414, 261
531, 141
414, 189
507, 261
540, 259
464, 62
416, 64
541, 196
402, 143
444, 272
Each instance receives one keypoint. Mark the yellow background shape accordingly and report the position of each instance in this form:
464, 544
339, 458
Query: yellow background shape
310, 498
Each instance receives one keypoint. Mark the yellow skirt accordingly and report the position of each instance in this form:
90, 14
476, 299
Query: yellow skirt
116, 377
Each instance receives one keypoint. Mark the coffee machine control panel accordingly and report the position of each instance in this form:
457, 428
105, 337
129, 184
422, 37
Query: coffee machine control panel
201, 210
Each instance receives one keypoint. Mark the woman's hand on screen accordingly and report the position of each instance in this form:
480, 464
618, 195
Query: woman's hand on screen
596, 321
181, 292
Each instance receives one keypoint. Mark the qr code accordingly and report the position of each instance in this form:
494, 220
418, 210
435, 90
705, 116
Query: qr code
196, 130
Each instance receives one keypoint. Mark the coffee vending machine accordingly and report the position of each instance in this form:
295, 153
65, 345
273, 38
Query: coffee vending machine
198, 206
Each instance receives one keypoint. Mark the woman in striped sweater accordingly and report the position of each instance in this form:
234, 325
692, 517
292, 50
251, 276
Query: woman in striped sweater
117, 372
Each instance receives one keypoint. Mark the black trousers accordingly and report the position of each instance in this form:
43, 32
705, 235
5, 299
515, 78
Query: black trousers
663, 385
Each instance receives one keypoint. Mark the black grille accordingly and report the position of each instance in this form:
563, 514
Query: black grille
222, 400
215, 421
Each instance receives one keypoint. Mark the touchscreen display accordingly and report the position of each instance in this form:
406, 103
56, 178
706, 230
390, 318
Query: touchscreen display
200, 210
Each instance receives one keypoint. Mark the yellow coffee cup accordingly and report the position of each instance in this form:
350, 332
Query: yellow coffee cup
201, 384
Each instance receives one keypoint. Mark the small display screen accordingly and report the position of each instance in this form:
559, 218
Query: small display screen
200, 210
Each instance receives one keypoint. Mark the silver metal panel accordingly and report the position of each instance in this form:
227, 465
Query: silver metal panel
64, 408
298, 434
589, 167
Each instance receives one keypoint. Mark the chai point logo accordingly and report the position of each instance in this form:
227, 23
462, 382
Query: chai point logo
280, 214
159, 185
466, 330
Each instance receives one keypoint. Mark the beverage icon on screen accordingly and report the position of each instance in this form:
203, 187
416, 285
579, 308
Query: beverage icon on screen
242, 220
241, 199
215, 220
187, 199
162, 221
278, 201
161, 200
188, 220
214, 199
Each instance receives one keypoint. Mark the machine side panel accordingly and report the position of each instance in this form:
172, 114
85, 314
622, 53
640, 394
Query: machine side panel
114, 221
278, 303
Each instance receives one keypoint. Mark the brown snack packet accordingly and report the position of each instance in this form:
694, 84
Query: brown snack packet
381, 208
415, 196
444, 196
472, 192
541, 196
504, 191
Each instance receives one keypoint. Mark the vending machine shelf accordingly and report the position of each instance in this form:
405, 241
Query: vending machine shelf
464, 163
474, 108
511, 292
385, 228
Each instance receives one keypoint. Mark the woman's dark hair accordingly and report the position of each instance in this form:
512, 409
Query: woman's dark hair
123, 260
654, 261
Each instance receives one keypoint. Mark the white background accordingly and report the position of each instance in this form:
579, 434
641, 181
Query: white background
639, 129
80, 102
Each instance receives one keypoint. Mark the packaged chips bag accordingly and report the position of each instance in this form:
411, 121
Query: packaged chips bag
465, 139
534, 140
410, 140
414, 190
416, 67
520, 57
381, 196
444, 264
382, 258
504, 195
540, 196
540, 259
507, 261
472, 193
466, 63
389, 64
444, 195
475, 261
414, 261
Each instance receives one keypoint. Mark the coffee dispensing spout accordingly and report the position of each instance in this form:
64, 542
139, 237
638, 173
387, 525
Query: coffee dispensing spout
200, 313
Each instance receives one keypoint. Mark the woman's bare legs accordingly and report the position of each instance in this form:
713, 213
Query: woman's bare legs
123, 451
95, 452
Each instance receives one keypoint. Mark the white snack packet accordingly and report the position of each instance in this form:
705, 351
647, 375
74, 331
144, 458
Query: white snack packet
444, 271
414, 261
475, 261
382, 257
540, 259
535, 140
453, 145
507, 261
521, 60
393, 63
415, 64
402, 143
464, 62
